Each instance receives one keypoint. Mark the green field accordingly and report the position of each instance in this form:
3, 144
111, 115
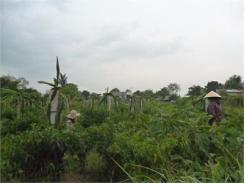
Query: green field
136, 139
122, 91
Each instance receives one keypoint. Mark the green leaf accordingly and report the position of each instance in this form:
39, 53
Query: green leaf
129, 176
57, 69
43, 82
56, 82
150, 169
217, 172
9, 91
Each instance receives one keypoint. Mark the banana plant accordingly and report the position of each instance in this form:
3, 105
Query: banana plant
55, 106
107, 99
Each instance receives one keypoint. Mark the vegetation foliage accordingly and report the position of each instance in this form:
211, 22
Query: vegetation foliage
157, 142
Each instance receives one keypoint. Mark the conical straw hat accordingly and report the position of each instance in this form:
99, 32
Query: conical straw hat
73, 114
212, 94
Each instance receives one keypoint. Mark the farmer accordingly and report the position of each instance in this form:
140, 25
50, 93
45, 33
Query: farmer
213, 107
71, 118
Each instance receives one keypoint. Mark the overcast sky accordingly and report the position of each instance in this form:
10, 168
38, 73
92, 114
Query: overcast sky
128, 44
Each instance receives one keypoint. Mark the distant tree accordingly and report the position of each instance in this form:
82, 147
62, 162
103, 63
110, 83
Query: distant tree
162, 93
148, 93
71, 90
234, 82
212, 86
32, 92
173, 88
115, 91
195, 90
95, 95
71, 95
34, 96
10, 82
13, 90
18, 91
85, 94
138, 92
173, 97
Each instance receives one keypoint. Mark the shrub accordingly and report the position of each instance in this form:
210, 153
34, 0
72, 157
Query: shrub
93, 117
34, 156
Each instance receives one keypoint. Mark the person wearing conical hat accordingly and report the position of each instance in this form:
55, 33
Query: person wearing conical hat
213, 107
71, 117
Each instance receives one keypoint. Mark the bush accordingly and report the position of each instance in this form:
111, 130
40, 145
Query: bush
9, 114
93, 117
15, 127
164, 143
34, 156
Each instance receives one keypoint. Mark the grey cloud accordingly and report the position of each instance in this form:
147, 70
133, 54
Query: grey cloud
113, 44
149, 49
23, 4
142, 49
94, 40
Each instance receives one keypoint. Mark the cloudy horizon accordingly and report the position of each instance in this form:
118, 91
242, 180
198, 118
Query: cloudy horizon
127, 44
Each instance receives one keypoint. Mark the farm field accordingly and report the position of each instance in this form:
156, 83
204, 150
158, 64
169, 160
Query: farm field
140, 140
125, 91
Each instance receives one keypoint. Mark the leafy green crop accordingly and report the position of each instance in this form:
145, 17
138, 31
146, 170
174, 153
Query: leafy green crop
164, 142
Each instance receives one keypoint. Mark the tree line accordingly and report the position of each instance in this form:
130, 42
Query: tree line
171, 91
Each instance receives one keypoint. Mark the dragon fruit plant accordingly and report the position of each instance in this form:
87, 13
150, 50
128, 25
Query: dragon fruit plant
55, 106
